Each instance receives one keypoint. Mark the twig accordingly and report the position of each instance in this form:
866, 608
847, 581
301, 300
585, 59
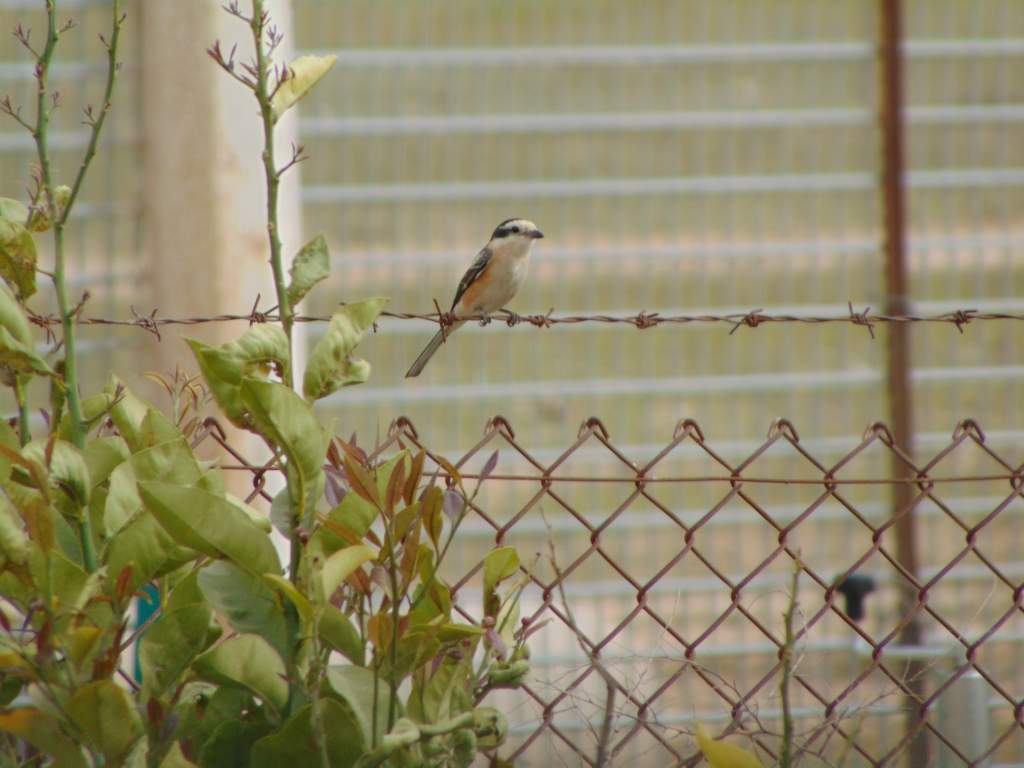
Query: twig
258, 25
604, 734
786, 752
45, 103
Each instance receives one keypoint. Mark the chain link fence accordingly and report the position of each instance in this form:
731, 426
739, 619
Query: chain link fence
657, 593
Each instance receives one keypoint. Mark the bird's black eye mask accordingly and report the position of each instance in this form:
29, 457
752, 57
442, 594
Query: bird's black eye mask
506, 228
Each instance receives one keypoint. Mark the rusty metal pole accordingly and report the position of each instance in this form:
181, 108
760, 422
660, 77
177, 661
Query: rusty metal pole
898, 363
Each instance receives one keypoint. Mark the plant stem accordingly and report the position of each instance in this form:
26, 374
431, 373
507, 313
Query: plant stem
786, 751
24, 432
273, 176
316, 713
60, 219
396, 608
273, 179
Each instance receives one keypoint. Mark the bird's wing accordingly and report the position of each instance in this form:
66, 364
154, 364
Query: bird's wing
476, 269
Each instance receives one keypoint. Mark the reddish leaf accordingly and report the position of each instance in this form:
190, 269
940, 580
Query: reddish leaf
432, 518
361, 481
396, 484
415, 474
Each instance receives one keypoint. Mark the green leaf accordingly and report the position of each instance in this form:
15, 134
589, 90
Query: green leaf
123, 501
170, 461
102, 455
337, 631
175, 758
455, 633
210, 524
250, 662
342, 564
93, 409
288, 422
252, 355
185, 592
8, 437
17, 348
282, 512
311, 265
354, 513
433, 702
499, 564
13, 210
169, 646
230, 743
44, 732
14, 542
295, 743
67, 580
147, 548
331, 365
18, 256
259, 519
248, 603
127, 412
12, 316
67, 471
280, 583
203, 707
157, 428
355, 686
301, 76
108, 722
212, 480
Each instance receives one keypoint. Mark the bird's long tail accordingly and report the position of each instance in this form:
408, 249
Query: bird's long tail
430, 349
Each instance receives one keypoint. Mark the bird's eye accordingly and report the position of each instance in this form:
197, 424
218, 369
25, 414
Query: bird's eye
515, 230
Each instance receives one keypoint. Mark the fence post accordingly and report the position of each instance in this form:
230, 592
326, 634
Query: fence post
964, 720
890, 108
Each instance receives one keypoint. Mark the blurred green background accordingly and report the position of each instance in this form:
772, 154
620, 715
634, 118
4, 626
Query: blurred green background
682, 156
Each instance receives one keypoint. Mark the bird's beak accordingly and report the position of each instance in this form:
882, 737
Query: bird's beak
536, 234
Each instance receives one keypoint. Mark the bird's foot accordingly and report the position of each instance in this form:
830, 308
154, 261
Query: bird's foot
511, 318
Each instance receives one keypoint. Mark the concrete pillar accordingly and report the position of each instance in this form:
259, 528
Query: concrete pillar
204, 207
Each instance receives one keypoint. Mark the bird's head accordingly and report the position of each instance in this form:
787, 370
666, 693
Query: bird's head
519, 231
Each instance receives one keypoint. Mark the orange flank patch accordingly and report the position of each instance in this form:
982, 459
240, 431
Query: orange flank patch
472, 293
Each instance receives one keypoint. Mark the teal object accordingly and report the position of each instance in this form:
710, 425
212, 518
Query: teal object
147, 608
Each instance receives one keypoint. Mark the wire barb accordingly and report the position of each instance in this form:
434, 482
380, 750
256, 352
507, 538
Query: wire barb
752, 319
861, 318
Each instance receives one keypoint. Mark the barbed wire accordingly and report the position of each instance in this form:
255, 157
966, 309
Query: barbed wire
153, 321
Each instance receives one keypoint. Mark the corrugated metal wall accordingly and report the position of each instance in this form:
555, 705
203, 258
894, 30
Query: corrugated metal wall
682, 157
105, 232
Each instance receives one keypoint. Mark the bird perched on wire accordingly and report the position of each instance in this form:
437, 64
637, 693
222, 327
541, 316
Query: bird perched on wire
491, 281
